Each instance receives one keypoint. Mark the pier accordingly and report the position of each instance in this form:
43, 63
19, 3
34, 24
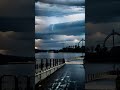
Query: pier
45, 67
100, 81
65, 75
12, 82
17, 76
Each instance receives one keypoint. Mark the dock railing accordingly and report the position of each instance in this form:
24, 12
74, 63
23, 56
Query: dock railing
96, 76
45, 67
12, 82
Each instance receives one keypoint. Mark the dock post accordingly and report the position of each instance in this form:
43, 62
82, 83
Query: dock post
1, 83
16, 83
42, 64
50, 63
28, 83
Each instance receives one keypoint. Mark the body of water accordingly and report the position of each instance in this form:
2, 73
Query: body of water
29, 69
57, 55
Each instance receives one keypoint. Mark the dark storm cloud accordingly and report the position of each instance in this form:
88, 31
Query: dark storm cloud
73, 28
17, 43
17, 27
102, 16
102, 11
17, 36
70, 28
17, 24
43, 9
43, 12
17, 8
65, 2
16, 15
97, 32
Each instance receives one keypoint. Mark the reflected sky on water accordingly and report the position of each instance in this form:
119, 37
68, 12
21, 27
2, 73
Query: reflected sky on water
57, 55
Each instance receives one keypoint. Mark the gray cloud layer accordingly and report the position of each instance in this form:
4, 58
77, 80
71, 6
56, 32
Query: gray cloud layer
17, 27
65, 2
71, 28
17, 43
46, 9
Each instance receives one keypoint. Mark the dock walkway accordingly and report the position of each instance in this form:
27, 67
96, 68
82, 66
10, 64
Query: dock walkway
70, 77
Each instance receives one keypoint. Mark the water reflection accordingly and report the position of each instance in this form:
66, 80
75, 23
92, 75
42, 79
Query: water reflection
57, 55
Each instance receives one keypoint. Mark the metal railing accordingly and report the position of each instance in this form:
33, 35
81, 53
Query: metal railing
44, 64
95, 76
12, 82
45, 67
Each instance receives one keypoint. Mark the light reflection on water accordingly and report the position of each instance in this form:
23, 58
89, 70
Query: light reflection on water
57, 55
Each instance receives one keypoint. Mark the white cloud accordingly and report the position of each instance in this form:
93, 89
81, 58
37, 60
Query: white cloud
57, 41
75, 17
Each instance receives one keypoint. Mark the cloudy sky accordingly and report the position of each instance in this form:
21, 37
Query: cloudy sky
102, 16
59, 23
17, 27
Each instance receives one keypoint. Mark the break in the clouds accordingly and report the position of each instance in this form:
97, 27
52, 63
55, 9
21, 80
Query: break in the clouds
102, 16
59, 23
